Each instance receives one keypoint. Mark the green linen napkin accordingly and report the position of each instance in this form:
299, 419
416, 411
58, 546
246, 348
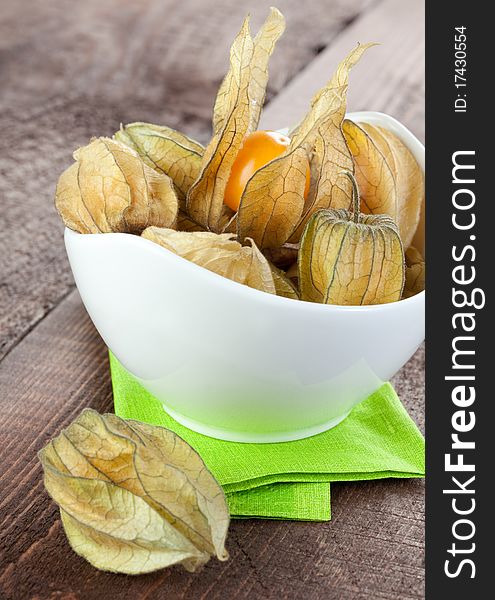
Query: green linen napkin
291, 480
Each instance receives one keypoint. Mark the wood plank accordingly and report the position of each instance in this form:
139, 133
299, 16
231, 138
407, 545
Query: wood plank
372, 548
71, 71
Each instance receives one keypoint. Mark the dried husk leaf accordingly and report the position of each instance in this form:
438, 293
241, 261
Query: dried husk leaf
185, 223
208, 529
219, 253
373, 173
167, 151
134, 497
273, 200
264, 44
228, 221
409, 180
236, 114
261, 273
283, 285
415, 273
110, 189
389, 177
348, 263
320, 133
204, 201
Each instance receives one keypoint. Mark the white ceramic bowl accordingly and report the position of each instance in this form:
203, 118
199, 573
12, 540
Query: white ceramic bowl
230, 361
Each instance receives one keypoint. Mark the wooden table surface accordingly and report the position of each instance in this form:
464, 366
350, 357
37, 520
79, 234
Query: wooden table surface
71, 70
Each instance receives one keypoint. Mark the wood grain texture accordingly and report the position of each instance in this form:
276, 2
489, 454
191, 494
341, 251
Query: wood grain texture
372, 548
62, 80
73, 70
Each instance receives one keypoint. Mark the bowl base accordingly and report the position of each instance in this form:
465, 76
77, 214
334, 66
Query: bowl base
253, 438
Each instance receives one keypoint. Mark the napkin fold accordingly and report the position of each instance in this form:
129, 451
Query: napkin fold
291, 480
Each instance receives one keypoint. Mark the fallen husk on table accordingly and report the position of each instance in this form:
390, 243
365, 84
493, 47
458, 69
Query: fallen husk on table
134, 497
154, 178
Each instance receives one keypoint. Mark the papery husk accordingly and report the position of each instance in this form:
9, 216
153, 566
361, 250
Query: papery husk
415, 273
389, 177
167, 151
134, 497
320, 133
185, 223
350, 258
283, 285
263, 46
110, 189
347, 263
236, 114
204, 201
220, 253
273, 200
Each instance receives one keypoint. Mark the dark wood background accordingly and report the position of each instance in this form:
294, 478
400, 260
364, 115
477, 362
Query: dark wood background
71, 70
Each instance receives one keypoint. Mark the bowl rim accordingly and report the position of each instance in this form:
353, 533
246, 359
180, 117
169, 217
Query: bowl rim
409, 139
228, 283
